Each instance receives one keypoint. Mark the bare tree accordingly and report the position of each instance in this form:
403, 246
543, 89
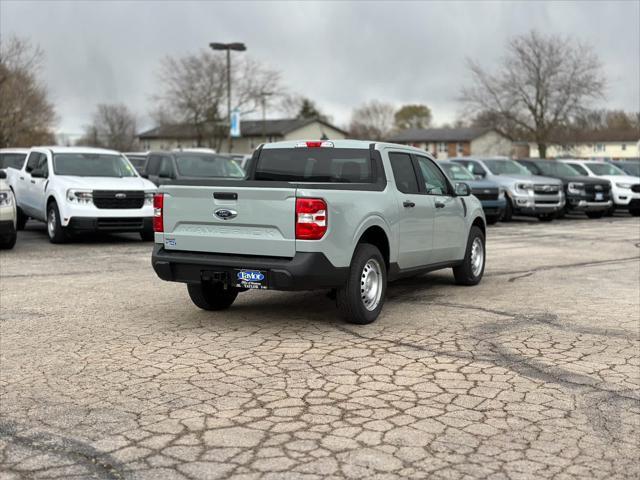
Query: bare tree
372, 121
194, 92
542, 83
113, 126
26, 115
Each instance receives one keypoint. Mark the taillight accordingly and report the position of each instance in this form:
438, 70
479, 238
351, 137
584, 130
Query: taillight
311, 218
158, 204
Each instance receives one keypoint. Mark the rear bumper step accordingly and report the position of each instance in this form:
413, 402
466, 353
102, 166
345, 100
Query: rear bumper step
305, 271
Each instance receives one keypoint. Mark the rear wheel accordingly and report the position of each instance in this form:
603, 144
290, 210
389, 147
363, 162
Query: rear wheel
212, 296
598, 214
361, 299
472, 268
57, 233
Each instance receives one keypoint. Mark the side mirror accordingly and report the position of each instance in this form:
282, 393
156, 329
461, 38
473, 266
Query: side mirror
37, 173
463, 190
479, 176
3, 174
144, 175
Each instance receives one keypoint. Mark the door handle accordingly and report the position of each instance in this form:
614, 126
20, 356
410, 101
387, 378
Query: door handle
440, 205
33, 181
408, 204
21, 178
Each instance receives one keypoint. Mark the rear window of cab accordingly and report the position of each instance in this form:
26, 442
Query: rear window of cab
320, 165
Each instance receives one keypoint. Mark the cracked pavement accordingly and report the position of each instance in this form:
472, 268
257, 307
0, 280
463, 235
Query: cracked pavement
107, 372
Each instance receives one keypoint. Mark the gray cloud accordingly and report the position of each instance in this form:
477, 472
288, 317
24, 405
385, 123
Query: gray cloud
339, 54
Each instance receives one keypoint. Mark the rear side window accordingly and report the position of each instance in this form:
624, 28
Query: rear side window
403, 172
32, 163
13, 160
324, 164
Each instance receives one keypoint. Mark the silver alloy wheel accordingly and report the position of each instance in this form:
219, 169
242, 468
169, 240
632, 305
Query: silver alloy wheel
371, 284
51, 222
477, 256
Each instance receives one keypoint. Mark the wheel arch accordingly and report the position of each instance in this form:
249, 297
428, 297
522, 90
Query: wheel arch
481, 224
375, 234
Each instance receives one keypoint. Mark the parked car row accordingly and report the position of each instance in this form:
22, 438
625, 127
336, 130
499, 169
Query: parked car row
549, 189
85, 189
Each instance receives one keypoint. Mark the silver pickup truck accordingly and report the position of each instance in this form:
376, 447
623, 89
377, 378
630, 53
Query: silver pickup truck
341, 215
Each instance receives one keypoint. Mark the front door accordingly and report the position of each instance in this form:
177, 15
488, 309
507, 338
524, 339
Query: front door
416, 212
449, 239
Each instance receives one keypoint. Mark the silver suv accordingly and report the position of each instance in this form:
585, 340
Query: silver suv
346, 215
527, 194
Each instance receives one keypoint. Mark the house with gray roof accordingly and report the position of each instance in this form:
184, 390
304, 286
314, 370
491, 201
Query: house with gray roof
455, 142
253, 133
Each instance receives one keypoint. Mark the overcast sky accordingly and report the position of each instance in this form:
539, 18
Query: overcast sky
338, 54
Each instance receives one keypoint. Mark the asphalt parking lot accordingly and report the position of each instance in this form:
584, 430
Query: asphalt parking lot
108, 372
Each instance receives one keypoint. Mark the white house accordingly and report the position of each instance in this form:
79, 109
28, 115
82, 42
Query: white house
253, 133
605, 144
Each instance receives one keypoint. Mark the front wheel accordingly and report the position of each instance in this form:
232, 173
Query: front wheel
470, 271
492, 219
8, 241
147, 235
21, 219
635, 212
599, 214
57, 233
508, 211
212, 296
361, 298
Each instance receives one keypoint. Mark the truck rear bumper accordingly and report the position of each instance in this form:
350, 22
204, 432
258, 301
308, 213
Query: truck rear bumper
305, 271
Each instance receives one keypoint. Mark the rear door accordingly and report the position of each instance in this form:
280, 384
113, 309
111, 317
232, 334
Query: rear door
449, 238
415, 227
231, 219
23, 191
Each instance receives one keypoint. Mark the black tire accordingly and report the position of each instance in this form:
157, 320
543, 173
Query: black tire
57, 233
350, 297
147, 235
464, 273
21, 219
598, 214
547, 217
507, 216
7, 242
492, 219
212, 296
635, 212
611, 211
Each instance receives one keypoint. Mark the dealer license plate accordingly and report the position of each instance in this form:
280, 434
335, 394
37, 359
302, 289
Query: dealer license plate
254, 279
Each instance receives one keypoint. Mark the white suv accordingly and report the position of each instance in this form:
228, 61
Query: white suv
75, 189
7, 214
625, 189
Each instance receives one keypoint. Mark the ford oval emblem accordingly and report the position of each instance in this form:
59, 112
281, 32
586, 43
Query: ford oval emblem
120, 196
225, 214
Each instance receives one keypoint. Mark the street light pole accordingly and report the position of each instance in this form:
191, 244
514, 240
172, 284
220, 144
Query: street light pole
239, 47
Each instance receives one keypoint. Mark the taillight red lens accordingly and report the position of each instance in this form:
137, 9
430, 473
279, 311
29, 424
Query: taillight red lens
158, 204
314, 144
311, 218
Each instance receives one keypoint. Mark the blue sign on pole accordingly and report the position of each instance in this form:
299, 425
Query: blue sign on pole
235, 123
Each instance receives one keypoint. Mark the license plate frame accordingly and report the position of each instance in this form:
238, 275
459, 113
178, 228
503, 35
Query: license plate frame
251, 279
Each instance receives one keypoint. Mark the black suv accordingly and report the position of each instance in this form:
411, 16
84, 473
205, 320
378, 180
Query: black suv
164, 167
583, 194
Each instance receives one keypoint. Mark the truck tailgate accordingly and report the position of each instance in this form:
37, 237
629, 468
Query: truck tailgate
260, 220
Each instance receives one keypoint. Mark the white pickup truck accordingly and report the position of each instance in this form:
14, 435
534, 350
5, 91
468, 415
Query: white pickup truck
79, 189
